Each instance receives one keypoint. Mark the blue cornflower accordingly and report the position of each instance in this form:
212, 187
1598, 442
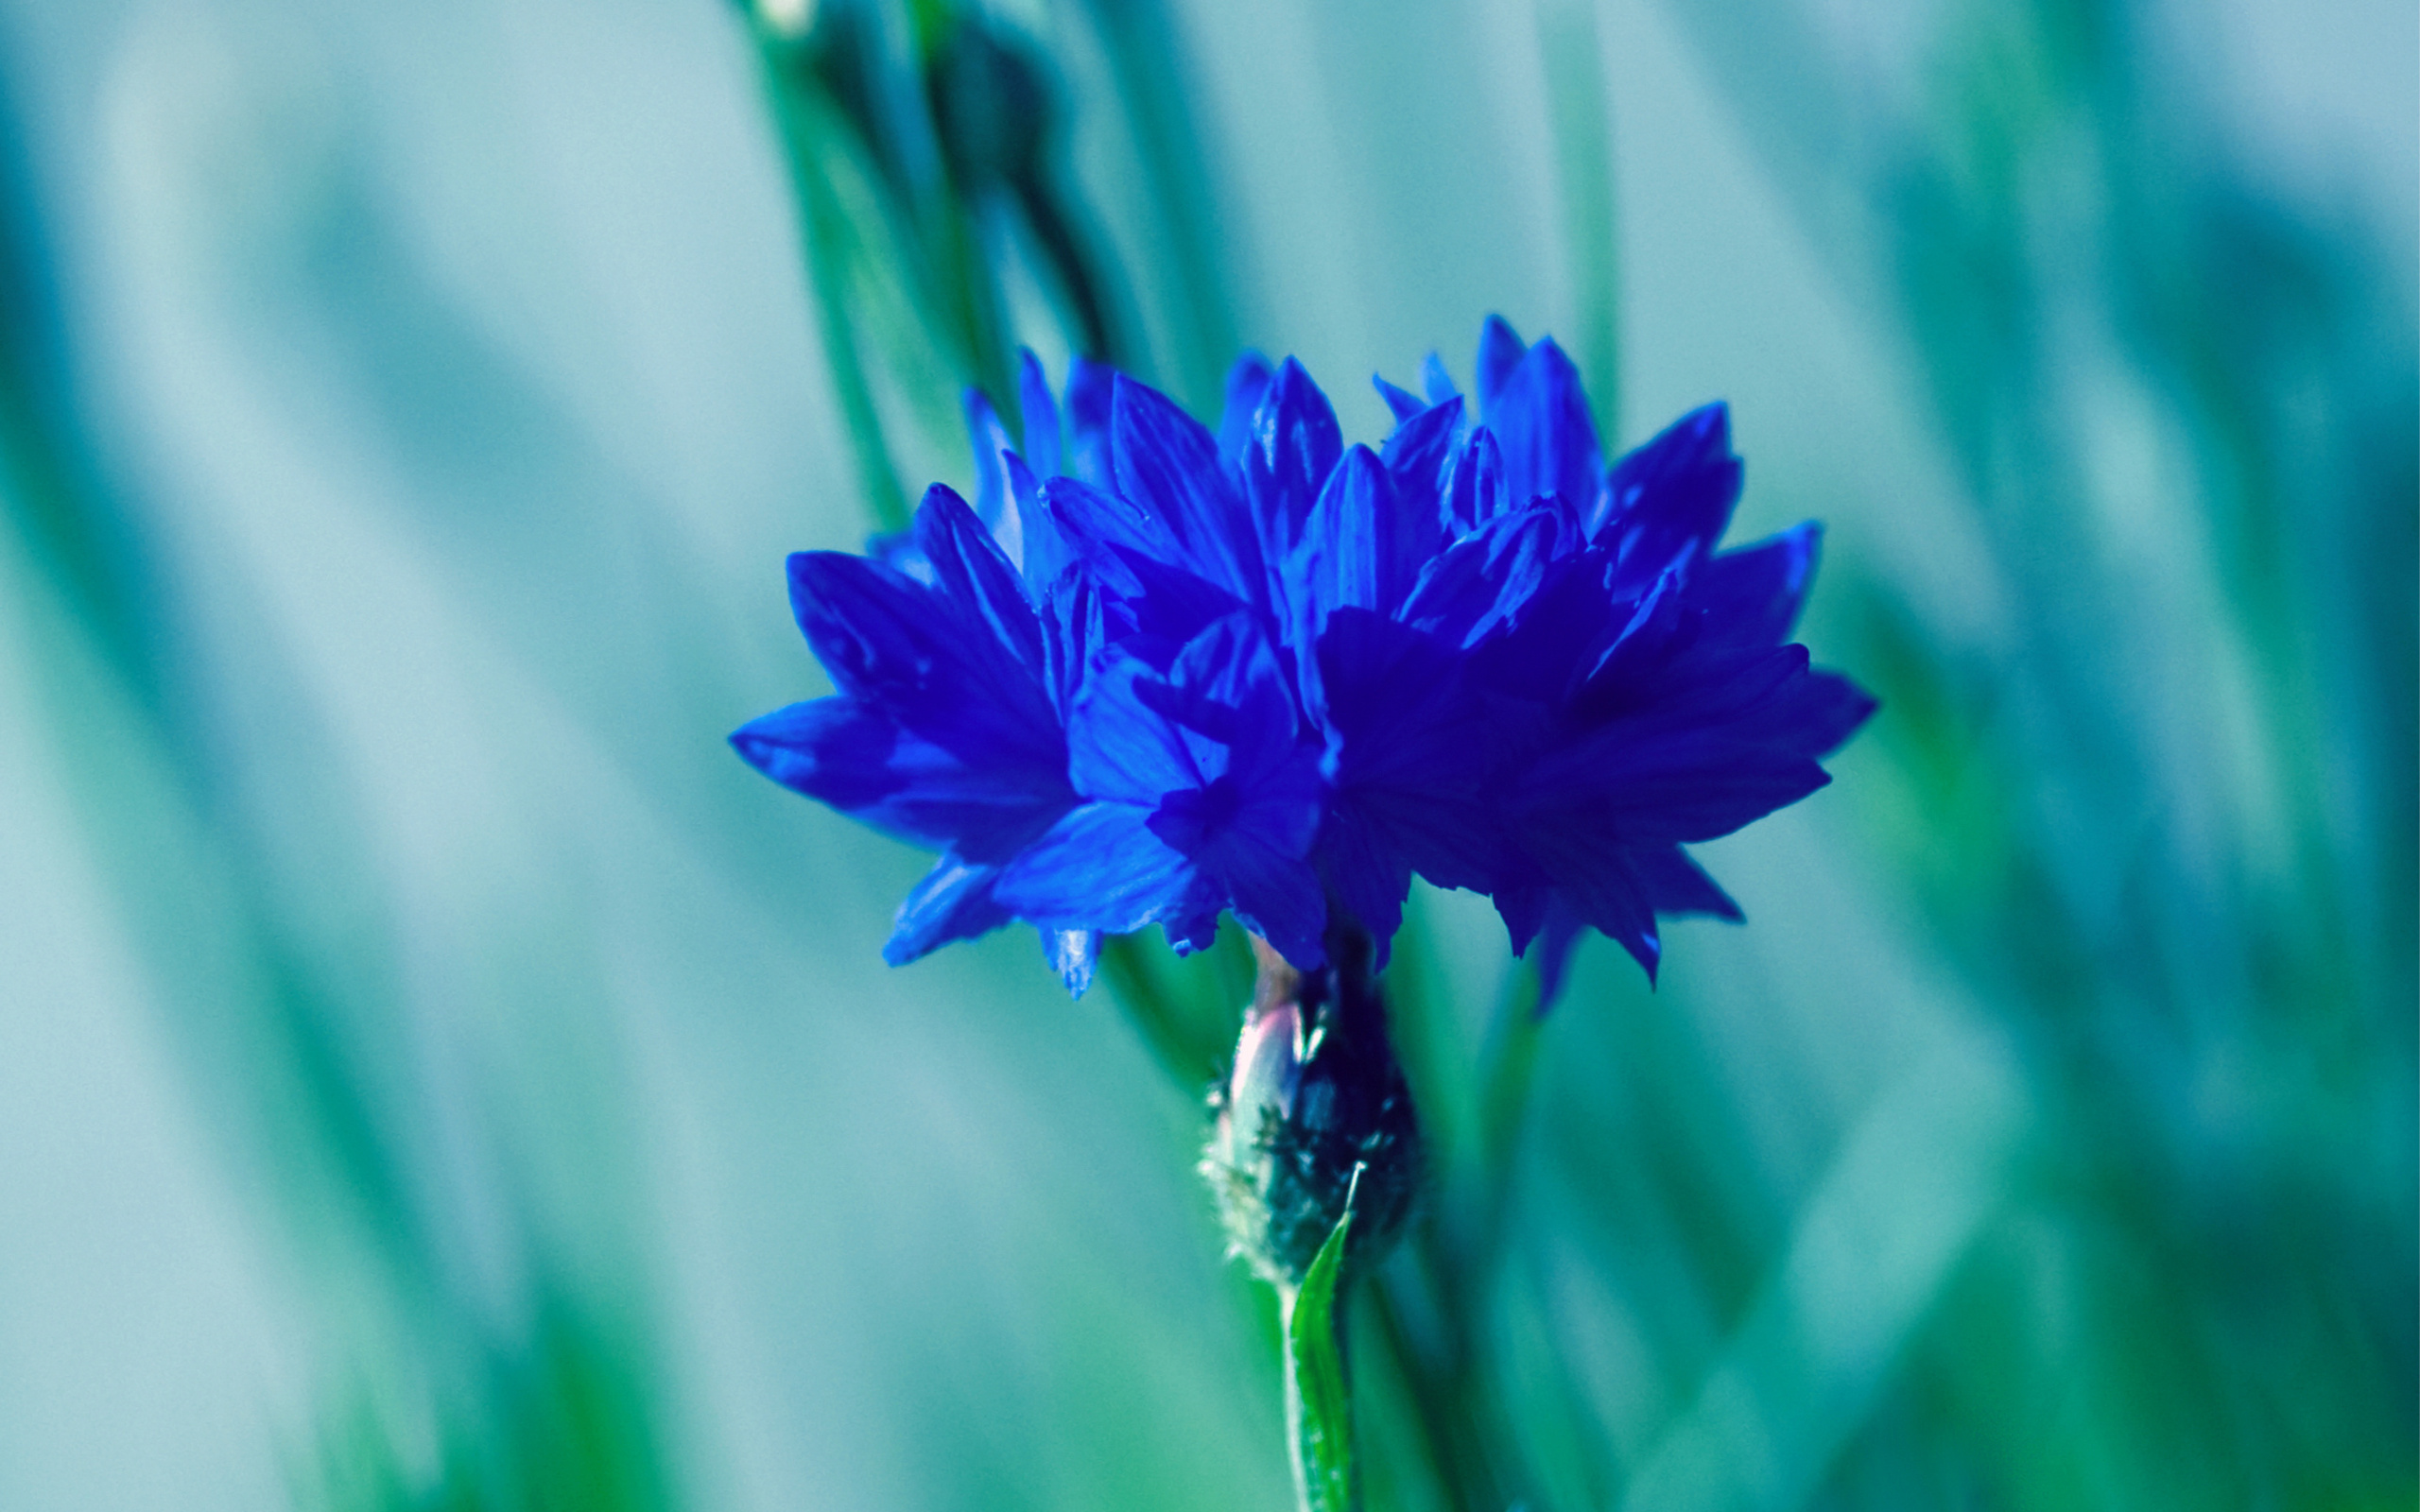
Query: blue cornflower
1153, 673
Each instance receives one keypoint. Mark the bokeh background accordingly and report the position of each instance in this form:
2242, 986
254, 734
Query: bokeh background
435, 1073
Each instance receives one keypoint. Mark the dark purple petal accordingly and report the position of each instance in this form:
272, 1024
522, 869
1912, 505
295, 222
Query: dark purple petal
1552, 952
1619, 787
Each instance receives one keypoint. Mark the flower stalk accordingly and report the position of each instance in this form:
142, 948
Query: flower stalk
1315, 1159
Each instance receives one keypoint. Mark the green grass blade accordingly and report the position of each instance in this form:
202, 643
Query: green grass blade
1318, 1405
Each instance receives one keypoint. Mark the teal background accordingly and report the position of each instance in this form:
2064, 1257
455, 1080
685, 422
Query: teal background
434, 1073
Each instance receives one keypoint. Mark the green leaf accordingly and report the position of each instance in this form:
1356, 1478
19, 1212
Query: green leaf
1318, 1405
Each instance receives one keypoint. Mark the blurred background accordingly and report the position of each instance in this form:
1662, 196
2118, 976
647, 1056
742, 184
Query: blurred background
436, 1073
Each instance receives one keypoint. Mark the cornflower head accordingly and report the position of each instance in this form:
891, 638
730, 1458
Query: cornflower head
1153, 673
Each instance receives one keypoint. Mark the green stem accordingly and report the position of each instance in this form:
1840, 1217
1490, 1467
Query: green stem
830, 250
1575, 107
1136, 985
1307, 1496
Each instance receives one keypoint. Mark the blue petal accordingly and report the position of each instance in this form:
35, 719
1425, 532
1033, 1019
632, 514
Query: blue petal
1435, 382
1500, 350
1091, 387
1228, 700
1040, 412
1482, 582
1823, 711
1072, 954
932, 665
1401, 403
1672, 495
992, 503
952, 902
1551, 952
969, 567
1046, 551
1351, 552
1120, 748
1676, 884
1168, 467
1475, 491
1539, 418
1620, 787
1247, 383
1274, 894
1753, 594
1420, 455
1369, 873
841, 752
1295, 445
1100, 868
1409, 753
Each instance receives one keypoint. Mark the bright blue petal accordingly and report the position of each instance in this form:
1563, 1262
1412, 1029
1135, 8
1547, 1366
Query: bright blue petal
993, 504
969, 567
1120, 748
1352, 554
1474, 492
1539, 418
1040, 412
1480, 583
1401, 403
843, 754
1500, 351
1295, 442
953, 902
932, 665
1435, 382
1100, 868
1072, 954
1247, 385
1091, 387
1167, 467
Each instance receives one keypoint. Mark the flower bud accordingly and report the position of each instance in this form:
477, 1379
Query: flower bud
1315, 1112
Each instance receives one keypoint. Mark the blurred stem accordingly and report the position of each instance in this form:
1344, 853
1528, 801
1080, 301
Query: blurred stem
1146, 64
1136, 984
1450, 1276
1078, 275
805, 120
1576, 113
